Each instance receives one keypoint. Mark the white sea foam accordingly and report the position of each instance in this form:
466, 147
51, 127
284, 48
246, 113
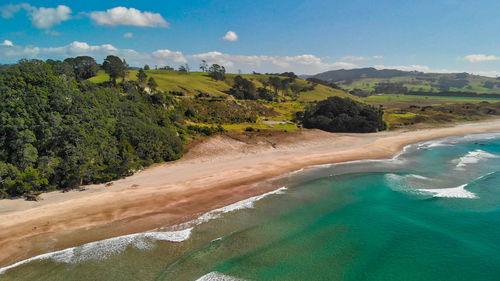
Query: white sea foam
104, 248
145, 240
474, 157
243, 204
216, 276
454, 192
418, 177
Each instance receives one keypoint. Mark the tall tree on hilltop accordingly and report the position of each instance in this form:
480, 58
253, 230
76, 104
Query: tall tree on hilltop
217, 72
204, 66
84, 67
115, 68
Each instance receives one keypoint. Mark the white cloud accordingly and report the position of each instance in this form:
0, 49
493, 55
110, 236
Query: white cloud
167, 55
230, 36
300, 64
128, 16
377, 57
42, 18
353, 58
128, 35
475, 58
9, 10
7, 43
414, 67
45, 18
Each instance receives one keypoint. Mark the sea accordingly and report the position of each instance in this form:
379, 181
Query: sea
430, 213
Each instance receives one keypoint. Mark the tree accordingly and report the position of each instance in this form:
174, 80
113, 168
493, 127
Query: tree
243, 89
146, 67
115, 67
337, 114
152, 84
204, 66
275, 82
182, 69
84, 67
217, 72
141, 76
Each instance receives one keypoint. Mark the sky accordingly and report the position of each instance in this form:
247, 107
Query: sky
305, 37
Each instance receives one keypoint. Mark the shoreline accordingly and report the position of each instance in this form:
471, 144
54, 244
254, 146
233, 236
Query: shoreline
215, 173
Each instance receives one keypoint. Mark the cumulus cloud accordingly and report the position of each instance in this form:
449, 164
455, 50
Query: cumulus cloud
11, 53
167, 55
128, 35
377, 57
306, 63
475, 58
414, 67
128, 16
45, 18
8, 11
42, 18
353, 58
7, 43
230, 36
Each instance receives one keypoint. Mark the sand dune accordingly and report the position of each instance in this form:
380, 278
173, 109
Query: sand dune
214, 173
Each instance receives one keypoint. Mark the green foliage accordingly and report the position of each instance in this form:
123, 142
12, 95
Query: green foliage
342, 115
152, 84
141, 76
206, 130
56, 133
217, 72
115, 67
84, 67
243, 89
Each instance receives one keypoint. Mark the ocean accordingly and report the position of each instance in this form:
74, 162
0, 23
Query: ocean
430, 213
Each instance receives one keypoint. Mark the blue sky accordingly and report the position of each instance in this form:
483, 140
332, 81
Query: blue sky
268, 36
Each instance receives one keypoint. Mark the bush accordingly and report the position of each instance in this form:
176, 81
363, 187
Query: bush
342, 115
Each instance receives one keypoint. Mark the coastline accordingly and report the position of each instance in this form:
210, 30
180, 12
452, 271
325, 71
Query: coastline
215, 173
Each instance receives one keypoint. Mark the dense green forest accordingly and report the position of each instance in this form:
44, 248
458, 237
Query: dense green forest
56, 132
337, 114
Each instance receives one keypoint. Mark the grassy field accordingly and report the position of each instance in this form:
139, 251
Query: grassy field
398, 108
408, 110
198, 82
424, 100
427, 83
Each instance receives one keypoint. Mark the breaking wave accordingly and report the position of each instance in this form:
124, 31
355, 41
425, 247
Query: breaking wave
216, 276
474, 157
454, 192
143, 241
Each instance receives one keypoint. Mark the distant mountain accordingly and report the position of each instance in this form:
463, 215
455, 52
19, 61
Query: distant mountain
369, 72
393, 81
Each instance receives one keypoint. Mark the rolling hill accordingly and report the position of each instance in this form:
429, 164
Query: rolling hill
195, 83
389, 81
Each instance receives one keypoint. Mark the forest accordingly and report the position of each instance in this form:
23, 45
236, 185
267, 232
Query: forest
56, 132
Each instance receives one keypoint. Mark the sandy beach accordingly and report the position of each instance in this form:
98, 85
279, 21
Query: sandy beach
215, 172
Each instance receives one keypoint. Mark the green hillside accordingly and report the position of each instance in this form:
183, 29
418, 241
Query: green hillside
195, 83
389, 81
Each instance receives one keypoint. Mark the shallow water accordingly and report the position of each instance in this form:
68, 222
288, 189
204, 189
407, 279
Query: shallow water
432, 213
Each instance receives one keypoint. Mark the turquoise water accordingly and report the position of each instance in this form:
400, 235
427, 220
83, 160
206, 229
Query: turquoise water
432, 213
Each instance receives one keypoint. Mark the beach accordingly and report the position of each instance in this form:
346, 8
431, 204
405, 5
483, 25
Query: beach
215, 172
